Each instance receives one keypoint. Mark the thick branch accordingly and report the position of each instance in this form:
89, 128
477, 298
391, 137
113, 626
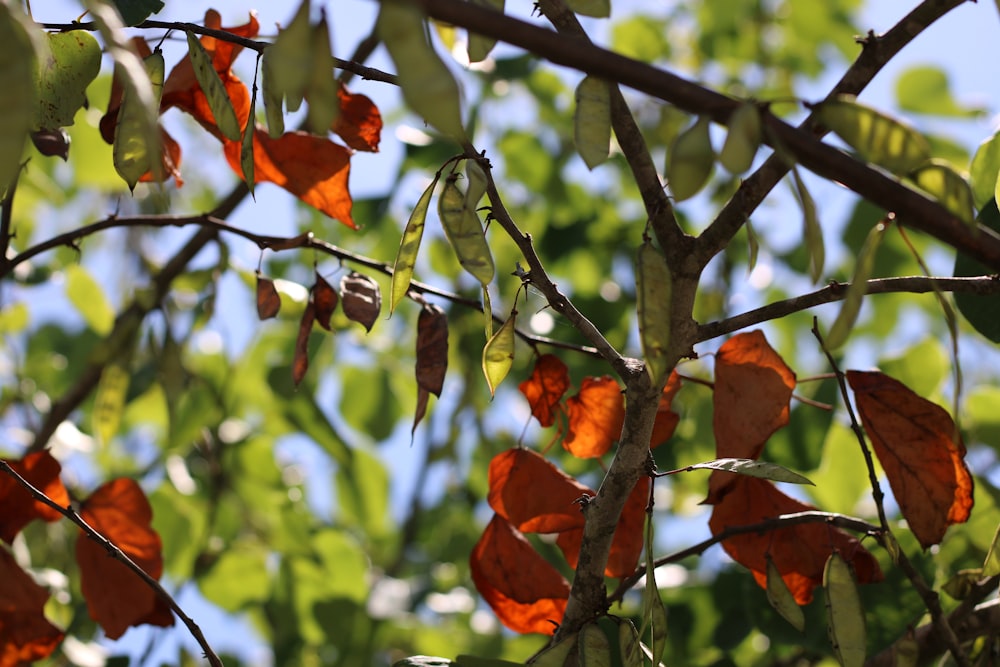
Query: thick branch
836, 291
912, 208
120, 556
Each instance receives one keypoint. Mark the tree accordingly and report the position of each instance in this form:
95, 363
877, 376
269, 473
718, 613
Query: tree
599, 304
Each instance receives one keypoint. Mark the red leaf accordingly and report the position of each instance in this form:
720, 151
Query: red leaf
268, 301
116, 597
19, 508
921, 452
799, 552
596, 415
432, 357
362, 299
525, 591
325, 298
753, 388
666, 419
626, 547
534, 495
359, 123
312, 168
545, 388
25, 634
300, 362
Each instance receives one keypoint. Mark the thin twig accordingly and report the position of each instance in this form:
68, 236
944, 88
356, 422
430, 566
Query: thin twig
782, 521
121, 557
836, 291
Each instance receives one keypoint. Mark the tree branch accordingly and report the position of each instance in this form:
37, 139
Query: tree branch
911, 207
120, 556
836, 291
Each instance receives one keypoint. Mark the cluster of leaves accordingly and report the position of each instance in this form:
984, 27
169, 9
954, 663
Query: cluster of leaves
116, 597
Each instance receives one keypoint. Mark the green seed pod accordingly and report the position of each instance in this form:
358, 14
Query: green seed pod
690, 160
743, 139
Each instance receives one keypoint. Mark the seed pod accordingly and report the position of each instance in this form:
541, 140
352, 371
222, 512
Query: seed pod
479, 46
136, 148
690, 160
465, 233
215, 91
743, 139
498, 354
653, 291
593, 647
592, 120
781, 599
845, 615
409, 245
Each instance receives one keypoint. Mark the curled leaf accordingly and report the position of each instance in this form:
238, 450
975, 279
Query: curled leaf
592, 120
362, 299
498, 354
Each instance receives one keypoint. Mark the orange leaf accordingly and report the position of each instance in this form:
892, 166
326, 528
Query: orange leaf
799, 552
312, 168
525, 591
666, 419
753, 387
545, 388
19, 508
25, 634
534, 495
359, 123
596, 415
920, 450
628, 540
116, 597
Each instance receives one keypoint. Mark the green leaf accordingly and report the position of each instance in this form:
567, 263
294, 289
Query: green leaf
921, 367
742, 140
981, 311
65, 69
845, 615
991, 566
479, 46
14, 318
321, 90
947, 186
925, 89
851, 305
238, 579
109, 402
641, 37
498, 354
89, 299
429, 88
465, 233
812, 233
984, 171
215, 91
409, 246
134, 12
690, 160
876, 137
592, 121
653, 305
597, 8
781, 599
753, 468
18, 37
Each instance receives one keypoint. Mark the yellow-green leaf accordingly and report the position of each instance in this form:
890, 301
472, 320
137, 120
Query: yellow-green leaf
479, 45
465, 233
742, 140
290, 60
653, 295
273, 93
876, 137
851, 306
109, 402
409, 245
940, 180
214, 89
595, 651
597, 8
991, 566
14, 318
136, 146
690, 160
321, 91
18, 37
70, 61
781, 599
498, 354
246, 146
812, 233
845, 615
89, 299
984, 171
592, 121
429, 88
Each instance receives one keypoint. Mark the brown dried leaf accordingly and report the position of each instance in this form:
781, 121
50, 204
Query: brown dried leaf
432, 357
362, 299
325, 299
300, 363
268, 301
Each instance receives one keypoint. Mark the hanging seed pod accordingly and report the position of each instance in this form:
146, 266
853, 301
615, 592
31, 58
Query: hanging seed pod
690, 160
